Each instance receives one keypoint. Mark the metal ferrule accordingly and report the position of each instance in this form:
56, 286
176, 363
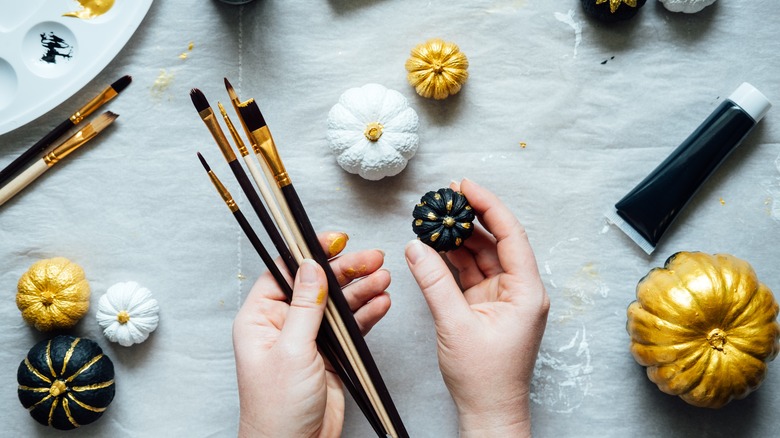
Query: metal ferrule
69, 145
90, 107
233, 133
223, 192
208, 117
262, 137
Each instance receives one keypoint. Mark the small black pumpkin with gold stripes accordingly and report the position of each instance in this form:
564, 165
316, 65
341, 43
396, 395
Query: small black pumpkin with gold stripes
443, 219
66, 382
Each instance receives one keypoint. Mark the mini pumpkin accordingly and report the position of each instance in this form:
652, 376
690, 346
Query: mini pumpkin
53, 294
443, 219
704, 327
373, 131
686, 6
612, 10
127, 313
66, 382
437, 69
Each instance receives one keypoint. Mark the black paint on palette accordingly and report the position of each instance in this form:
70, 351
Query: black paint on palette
55, 46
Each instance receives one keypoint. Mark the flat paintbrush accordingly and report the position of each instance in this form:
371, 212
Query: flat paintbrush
210, 119
255, 123
325, 338
35, 150
37, 169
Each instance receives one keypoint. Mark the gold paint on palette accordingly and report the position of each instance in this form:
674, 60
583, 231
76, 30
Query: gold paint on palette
91, 9
614, 4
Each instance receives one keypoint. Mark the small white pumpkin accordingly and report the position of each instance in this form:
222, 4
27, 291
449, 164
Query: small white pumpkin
373, 131
687, 6
128, 313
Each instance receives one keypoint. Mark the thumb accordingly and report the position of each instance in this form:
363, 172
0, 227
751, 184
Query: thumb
310, 294
441, 292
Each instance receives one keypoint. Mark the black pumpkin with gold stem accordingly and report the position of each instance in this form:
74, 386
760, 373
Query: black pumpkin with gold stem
443, 219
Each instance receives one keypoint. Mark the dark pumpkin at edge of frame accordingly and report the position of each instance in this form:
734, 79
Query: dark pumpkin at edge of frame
443, 219
603, 12
66, 382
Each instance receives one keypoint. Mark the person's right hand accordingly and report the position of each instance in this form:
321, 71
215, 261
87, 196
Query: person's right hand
489, 334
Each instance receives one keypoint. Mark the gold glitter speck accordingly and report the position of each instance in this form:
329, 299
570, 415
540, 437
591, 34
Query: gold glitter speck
722, 201
91, 9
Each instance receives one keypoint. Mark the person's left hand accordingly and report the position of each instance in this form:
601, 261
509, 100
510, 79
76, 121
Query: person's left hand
285, 387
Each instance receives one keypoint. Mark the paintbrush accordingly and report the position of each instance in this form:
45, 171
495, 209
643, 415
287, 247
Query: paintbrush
326, 339
58, 153
210, 119
340, 314
35, 150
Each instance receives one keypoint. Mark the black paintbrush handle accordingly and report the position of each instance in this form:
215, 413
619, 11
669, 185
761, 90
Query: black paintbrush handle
34, 151
326, 339
336, 294
262, 214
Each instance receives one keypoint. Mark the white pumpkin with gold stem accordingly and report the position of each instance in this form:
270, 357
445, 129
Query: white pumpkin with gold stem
128, 313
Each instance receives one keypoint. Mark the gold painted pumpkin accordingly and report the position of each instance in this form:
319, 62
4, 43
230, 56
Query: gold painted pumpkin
53, 294
437, 69
704, 327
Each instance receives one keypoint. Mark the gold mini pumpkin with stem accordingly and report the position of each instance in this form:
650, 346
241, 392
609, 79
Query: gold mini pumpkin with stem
53, 294
437, 69
704, 327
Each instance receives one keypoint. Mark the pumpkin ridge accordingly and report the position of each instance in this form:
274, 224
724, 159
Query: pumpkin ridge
49, 361
755, 301
696, 373
643, 322
35, 371
86, 406
703, 313
92, 387
68, 414
84, 367
62, 263
68, 355
718, 288
55, 402
31, 389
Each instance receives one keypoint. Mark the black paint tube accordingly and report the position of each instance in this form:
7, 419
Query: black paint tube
646, 212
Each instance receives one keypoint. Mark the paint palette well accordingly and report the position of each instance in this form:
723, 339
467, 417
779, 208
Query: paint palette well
46, 57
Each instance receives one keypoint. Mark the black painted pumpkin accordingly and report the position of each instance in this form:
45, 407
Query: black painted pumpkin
66, 382
443, 219
612, 10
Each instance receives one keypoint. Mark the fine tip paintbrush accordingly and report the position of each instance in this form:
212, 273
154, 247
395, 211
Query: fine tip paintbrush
35, 150
37, 169
326, 338
256, 125
210, 120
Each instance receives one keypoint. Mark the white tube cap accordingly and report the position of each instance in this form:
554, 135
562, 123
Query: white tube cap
751, 100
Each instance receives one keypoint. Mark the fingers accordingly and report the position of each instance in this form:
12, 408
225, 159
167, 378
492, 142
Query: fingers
365, 290
356, 265
441, 292
371, 312
310, 295
514, 250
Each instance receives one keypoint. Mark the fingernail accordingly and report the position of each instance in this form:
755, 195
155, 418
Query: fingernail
381, 252
308, 271
338, 241
415, 251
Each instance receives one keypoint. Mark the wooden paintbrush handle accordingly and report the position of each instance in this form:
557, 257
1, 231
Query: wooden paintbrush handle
23, 180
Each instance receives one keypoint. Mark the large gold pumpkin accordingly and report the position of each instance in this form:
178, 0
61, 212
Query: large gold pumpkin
704, 327
437, 69
53, 294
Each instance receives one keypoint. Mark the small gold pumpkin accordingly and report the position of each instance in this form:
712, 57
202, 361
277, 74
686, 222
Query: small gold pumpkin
437, 69
704, 327
53, 294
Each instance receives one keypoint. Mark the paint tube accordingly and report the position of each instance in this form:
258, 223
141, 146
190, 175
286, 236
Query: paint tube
646, 212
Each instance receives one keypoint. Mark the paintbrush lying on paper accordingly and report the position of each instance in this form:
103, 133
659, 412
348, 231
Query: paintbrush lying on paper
38, 148
37, 169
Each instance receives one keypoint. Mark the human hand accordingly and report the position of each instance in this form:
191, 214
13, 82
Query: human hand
488, 336
286, 388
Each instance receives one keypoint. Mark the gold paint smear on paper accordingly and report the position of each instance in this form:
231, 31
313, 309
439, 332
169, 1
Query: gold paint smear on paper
163, 81
91, 9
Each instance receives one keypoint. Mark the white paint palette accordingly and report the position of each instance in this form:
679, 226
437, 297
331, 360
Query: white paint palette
46, 57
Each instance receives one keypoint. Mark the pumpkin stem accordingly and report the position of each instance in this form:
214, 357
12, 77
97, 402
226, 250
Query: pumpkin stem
373, 131
717, 339
448, 222
57, 388
123, 317
47, 298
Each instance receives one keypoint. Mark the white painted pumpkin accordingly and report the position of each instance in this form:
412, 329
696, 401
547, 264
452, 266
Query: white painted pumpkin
373, 131
687, 6
127, 313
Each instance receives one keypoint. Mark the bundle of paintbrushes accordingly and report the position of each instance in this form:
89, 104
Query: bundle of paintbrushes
294, 238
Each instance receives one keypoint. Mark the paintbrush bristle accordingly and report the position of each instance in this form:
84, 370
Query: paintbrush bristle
199, 100
122, 83
103, 120
204, 163
231, 92
251, 114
